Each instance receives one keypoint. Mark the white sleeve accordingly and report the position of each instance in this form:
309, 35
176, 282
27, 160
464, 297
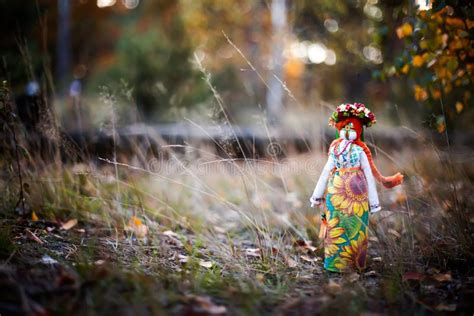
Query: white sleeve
374, 203
323, 179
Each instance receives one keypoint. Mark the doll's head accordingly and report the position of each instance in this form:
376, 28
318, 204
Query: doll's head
350, 128
349, 120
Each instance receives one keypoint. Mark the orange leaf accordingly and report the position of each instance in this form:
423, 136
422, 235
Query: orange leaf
456, 22
436, 93
136, 225
69, 224
420, 93
443, 277
459, 107
407, 29
417, 61
405, 69
34, 217
413, 276
136, 221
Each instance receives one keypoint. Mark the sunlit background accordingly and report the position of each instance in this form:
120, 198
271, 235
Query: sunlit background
276, 60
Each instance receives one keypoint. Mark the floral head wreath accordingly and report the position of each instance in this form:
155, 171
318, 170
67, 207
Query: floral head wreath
359, 113
357, 110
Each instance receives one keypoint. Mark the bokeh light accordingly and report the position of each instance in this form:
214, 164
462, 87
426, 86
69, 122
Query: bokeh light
330, 57
105, 3
331, 25
317, 53
131, 4
373, 54
423, 5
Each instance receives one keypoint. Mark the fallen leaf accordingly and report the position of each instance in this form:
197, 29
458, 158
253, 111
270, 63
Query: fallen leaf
137, 227
371, 273
99, 262
305, 245
183, 258
446, 307
204, 305
58, 237
394, 233
48, 260
309, 259
141, 231
34, 217
413, 276
253, 252
65, 278
69, 224
290, 262
170, 234
443, 277
260, 277
377, 259
220, 230
173, 238
332, 287
275, 251
206, 264
433, 271
33, 237
353, 277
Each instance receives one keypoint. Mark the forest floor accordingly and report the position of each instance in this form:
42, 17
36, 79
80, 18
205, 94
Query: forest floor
117, 239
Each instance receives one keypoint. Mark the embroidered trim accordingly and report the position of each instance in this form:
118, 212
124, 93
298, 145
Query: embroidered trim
347, 144
352, 169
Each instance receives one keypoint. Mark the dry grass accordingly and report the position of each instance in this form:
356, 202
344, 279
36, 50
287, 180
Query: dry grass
160, 237
228, 229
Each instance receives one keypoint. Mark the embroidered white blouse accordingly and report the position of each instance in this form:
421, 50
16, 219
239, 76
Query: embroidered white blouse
349, 158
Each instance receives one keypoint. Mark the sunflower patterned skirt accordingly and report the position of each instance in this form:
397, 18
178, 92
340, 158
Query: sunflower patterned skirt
347, 214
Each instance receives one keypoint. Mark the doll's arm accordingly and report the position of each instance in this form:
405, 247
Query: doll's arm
372, 189
321, 185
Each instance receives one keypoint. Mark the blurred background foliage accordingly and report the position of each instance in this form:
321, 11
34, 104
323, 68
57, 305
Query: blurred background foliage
411, 61
438, 57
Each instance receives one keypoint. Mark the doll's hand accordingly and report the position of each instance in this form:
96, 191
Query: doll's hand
375, 208
315, 201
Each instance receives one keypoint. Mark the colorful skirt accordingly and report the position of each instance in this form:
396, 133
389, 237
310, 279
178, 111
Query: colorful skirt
347, 215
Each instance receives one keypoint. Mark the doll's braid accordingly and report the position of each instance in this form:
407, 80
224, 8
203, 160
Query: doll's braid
388, 182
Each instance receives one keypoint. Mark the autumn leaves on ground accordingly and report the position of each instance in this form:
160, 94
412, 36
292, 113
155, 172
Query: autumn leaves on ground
227, 237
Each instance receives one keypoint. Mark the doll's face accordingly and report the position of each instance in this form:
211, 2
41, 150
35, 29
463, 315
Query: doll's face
348, 132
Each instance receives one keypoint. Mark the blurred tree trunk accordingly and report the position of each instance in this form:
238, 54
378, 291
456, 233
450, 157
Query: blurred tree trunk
63, 45
275, 89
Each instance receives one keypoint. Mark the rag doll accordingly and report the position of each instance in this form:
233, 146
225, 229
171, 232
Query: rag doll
351, 194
